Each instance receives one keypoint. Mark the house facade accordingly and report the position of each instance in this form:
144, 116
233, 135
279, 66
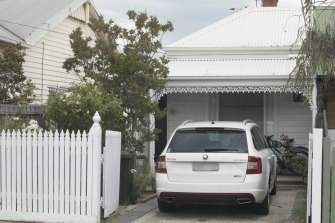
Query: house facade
238, 68
43, 28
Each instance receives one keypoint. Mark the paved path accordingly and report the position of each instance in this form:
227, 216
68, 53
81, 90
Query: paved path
290, 196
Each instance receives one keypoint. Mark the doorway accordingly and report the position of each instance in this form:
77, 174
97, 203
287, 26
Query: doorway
162, 125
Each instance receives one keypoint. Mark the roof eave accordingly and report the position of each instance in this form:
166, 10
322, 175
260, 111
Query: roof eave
54, 20
232, 50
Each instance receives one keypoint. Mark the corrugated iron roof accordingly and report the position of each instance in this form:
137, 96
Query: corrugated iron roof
251, 27
225, 68
25, 18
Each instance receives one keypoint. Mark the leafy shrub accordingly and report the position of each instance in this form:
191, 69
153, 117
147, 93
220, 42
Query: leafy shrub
293, 161
143, 176
74, 110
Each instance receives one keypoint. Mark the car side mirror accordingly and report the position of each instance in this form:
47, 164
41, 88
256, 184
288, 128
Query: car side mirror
275, 144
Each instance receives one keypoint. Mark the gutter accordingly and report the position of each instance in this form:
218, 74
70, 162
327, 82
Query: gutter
259, 77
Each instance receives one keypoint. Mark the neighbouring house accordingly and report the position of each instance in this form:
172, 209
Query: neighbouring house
324, 17
43, 28
236, 69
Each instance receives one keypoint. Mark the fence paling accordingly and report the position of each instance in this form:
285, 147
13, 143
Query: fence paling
72, 173
50, 174
56, 173
29, 172
24, 172
89, 175
40, 172
8, 167
61, 173
67, 173
3, 171
35, 172
83, 174
19, 171
78, 170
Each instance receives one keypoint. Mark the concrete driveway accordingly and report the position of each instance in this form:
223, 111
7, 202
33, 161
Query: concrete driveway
286, 206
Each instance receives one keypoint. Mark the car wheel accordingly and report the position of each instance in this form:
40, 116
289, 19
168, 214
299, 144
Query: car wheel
264, 207
165, 207
274, 189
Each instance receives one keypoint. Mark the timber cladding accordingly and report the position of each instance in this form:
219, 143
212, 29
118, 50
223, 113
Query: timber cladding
8, 109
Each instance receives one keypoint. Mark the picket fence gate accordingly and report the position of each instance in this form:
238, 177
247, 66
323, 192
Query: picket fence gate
56, 177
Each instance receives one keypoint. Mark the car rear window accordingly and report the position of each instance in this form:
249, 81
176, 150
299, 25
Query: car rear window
209, 140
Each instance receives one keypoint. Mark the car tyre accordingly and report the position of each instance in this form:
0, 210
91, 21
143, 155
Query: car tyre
165, 207
274, 189
264, 207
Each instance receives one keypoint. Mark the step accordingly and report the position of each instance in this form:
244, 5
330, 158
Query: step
289, 180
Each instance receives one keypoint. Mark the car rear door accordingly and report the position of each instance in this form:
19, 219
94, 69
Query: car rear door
267, 152
207, 155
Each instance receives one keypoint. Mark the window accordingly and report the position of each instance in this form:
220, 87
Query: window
258, 144
261, 135
209, 140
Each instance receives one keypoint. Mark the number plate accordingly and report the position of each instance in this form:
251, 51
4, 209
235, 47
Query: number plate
205, 166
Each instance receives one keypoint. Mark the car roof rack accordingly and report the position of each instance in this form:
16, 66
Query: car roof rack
187, 121
247, 121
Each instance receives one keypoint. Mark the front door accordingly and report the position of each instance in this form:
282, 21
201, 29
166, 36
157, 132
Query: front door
241, 106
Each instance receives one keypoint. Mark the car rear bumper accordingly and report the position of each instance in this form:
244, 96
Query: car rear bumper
206, 198
254, 185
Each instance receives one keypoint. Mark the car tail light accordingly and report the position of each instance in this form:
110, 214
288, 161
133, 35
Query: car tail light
161, 165
254, 165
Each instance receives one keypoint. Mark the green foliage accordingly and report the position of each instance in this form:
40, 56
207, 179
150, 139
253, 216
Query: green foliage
12, 122
316, 55
128, 71
13, 82
292, 160
74, 110
143, 176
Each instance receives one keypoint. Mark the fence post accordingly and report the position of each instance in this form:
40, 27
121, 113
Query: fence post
326, 180
111, 172
309, 182
96, 133
317, 175
332, 164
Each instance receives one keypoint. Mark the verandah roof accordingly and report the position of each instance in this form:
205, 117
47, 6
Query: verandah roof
229, 75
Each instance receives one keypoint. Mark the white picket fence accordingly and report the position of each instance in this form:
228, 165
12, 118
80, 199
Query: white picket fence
52, 177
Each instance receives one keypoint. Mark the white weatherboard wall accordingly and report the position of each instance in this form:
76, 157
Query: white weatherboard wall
293, 119
56, 50
282, 114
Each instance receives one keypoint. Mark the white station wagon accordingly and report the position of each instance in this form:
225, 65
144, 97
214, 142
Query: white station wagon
216, 163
